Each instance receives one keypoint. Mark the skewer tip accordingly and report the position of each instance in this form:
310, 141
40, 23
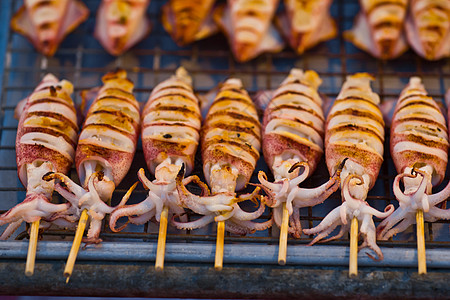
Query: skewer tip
29, 273
67, 275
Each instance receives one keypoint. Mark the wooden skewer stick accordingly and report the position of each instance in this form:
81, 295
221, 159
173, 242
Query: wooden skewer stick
353, 265
76, 244
421, 256
161, 250
282, 248
218, 264
31, 257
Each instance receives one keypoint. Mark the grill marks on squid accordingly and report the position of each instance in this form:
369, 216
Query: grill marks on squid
293, 99
232, 126
50, 120
419, 124
112, 120
355, 121
172, 119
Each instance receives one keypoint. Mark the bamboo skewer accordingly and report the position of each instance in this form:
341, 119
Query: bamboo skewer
218, 264
282, 248
76, 245
421, 256
353, 264
161, 249
31, 256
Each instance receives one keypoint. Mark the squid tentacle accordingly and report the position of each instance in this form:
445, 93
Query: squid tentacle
203, 221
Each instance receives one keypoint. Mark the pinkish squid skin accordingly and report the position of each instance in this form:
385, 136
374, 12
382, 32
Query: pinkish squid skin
188, 21
46, 23
248, 27
304, 24
293, 129
354, 133
230, 149
45, 142
378, 28
105, 151
428, 28
419, 148
121, 24
170, 136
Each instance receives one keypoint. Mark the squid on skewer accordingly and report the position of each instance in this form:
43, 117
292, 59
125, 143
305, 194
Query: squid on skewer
105, 150
305, 23
419, 148
378, 28
293, 129
428, 28
354, 132
46, 139
170, 135
248, 26
46, 23
230, 148
121, 24
188, 21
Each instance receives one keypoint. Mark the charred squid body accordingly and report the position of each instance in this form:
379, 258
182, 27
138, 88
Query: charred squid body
248, 26
45, 142
428, 28
293, 129
170, 136
121, 24
305, 23
46, 23
355, 133
230, 149
188, 21
378, 28
105, 150
419, 148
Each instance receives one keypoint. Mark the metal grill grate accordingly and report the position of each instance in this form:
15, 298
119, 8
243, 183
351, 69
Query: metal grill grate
82, 60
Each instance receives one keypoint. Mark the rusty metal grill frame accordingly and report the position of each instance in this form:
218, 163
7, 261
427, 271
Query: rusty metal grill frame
83, 61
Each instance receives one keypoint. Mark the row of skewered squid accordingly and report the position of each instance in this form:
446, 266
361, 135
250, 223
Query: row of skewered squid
294, 133
385, 28
382, 28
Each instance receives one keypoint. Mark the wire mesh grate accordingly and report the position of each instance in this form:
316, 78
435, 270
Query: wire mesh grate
82, 60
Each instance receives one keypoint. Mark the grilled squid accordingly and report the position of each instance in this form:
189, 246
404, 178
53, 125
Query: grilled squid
293, 129
188, 21
428, 28
419, 148
304, 24
378, 28
170, 135
46, 140
248, 26
105, 150
231, 141
354, 133
46, 23
121, 24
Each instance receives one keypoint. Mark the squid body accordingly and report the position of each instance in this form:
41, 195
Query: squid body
378, 28
188, 21
46, 23
248, 26
304, 24
121, 24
